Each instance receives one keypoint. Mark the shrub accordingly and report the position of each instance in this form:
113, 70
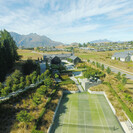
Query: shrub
42, 90
37, 99
22, 85
5, 91
15, 87
34, 80
24, 116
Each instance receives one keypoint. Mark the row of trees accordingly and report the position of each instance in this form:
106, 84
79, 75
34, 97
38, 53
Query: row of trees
17, 81
24, 116
101, 66
91, 72
8, 53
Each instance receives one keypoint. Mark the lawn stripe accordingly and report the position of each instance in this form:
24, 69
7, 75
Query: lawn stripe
99, 117
100, 108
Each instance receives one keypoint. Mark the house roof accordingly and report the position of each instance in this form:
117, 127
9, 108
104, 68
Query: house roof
58, 55
73, 57
123, 54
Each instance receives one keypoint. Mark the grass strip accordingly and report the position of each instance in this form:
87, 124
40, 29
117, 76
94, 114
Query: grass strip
124, 106
42, 113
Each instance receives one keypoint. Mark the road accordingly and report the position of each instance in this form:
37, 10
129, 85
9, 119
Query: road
129, 75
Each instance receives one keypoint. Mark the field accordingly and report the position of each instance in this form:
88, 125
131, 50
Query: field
105, 57
29, 54
83, 113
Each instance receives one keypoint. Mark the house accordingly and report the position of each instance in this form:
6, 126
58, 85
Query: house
75, 59
123, 56
56, 58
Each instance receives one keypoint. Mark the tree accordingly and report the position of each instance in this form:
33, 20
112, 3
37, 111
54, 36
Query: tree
102, 67
37, 99
22, 85
34, 79
118, 76
5, 91
9, 81
1, 86
28, 81
42, 90
15, 87
56, 75
124, 80
108, 70
8, 53
24, 116
22, 79
29, 66
38, 78
48, 82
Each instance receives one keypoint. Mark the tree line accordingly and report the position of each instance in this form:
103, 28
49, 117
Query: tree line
8, 53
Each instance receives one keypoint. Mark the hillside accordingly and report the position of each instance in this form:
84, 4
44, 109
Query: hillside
33, 40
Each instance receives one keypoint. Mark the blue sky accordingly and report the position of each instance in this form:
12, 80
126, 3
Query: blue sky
69, 20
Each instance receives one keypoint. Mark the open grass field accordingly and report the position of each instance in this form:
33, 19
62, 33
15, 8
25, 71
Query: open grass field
105, 57
29, 54
85, 113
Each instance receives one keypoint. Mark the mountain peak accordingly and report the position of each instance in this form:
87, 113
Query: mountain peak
33, 40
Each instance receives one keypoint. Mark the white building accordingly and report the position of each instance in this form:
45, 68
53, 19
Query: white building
123, 56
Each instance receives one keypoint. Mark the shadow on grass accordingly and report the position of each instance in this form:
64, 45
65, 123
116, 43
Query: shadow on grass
61, 110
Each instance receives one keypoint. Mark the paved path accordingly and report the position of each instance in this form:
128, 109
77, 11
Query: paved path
76, 82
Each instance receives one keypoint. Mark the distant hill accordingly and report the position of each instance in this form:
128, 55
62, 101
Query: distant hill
33, 40
100, 41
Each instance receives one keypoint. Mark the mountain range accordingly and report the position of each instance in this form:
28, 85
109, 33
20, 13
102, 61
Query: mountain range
100, 41
33, 40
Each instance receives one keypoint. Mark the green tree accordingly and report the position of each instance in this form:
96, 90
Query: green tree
48, 82
5, 91
15, 87
28, 80
8, 53
30, 66
124, 80
9, 81
37, 99
56, 75
102, 67
1, 86
42, 90
22, 85
108, 70
38, 78
34, 79
118, 76
24, 116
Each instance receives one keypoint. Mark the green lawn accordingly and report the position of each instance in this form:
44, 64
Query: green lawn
85, 113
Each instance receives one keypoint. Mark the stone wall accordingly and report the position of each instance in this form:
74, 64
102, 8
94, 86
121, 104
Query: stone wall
87, 83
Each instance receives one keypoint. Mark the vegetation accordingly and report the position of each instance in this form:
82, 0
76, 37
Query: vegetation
108, 70
29, 66
91, 72
8, 53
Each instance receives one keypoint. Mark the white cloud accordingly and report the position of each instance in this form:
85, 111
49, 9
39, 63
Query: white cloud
54, 17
